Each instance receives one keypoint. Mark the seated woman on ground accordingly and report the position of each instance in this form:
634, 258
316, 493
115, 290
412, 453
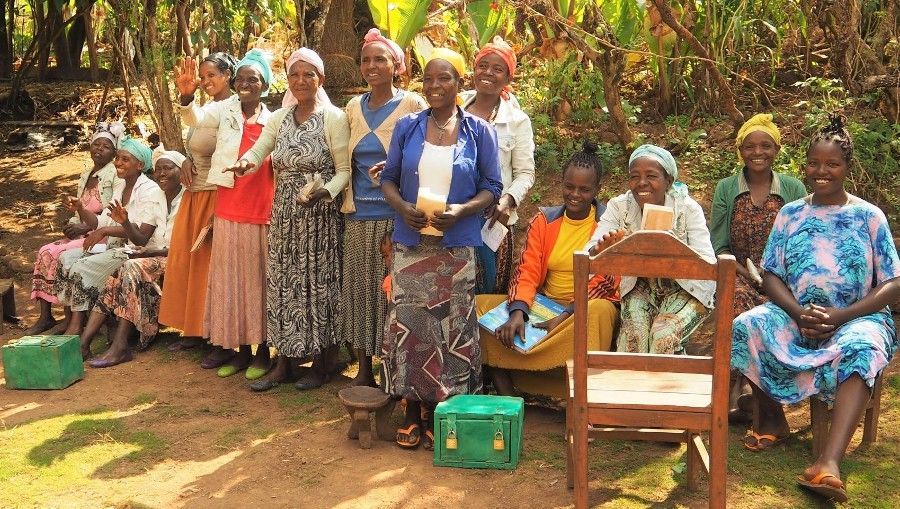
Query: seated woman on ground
545, 267
658, 315
133, 293
136, 217
95, 189
831, 270
743, 210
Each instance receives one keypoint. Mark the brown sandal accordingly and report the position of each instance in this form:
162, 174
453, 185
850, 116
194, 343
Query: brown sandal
836, 493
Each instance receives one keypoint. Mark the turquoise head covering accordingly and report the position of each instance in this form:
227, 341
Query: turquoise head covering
138, 149
667, 161
259, 60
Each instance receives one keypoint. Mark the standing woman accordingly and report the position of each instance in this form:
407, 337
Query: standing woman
240, 223
308, 141
495, 66
95, 189
372, 117
431, 349
183, 304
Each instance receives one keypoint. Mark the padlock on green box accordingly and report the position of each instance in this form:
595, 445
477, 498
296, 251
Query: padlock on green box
42, 362
474, 431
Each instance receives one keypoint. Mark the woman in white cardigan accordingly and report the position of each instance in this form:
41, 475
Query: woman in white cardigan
307, 140
658, 315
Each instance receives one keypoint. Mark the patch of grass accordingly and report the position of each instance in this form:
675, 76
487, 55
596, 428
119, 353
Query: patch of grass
243, 434
143, 399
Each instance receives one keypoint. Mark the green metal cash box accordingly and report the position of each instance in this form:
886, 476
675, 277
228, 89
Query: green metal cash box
473, 431
42, 362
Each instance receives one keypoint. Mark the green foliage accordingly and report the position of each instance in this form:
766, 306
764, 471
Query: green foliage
401, 20
488, 16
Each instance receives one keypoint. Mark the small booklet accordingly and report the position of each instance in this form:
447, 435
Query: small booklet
98, 248
431, 204
204, 234
313, 185
492, 237
542, 309
657, 217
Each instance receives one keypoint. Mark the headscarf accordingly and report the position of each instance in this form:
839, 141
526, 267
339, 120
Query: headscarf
454, 59
139, 150
374, 36
667, 161
312, 58
258, 60
500, 48
112, 131
172, 155
759, 122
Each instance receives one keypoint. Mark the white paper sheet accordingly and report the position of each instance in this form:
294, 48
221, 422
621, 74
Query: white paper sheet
492, 237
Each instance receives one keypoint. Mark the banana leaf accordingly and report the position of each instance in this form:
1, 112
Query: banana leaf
401, 20
488, 16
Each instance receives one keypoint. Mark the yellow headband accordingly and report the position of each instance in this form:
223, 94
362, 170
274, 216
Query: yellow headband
759, 122
454, 58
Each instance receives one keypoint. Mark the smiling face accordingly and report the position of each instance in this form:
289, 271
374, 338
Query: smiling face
248, 84
491, 75
102, 152
167, 175
127, 165
759, 151
377, 65
580, 186
213, 81
826, 168
304, 81
440, 84
648, 181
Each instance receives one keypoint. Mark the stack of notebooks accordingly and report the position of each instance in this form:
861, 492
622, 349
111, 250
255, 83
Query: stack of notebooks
542, 309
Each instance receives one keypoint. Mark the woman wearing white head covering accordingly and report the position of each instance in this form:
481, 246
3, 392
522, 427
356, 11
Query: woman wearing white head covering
308, 141
658, 315
133, 292
95, 190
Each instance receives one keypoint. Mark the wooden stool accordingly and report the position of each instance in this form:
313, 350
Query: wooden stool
360, 402
820, 418
7, 303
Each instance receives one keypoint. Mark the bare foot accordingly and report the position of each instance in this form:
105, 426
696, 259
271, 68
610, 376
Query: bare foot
41, 326
360, 380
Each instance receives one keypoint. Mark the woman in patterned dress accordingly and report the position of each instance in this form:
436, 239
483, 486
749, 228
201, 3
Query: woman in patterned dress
307, 140
743, 210
831, 271
95, 189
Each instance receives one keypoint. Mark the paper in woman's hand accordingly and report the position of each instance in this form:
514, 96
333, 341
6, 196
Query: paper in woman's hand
657, 217
492, 237
754, 273
431, 204
205, 233
313, 185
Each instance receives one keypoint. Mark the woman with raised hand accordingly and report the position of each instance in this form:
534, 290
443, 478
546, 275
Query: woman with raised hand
492, 100
136, 217
831, 270
307, 140
240, 223
658, 315
441, 173
368, 216
546, 267
183, 304
132, 292
95, 189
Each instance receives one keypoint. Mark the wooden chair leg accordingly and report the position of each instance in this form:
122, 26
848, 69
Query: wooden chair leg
570, 443
819, 419
580, 459
364, 425
692, 473
870, 424
716, 459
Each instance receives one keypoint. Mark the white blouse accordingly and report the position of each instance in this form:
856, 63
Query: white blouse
147, 205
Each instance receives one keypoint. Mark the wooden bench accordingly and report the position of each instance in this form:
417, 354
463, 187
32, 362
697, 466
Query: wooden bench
360, 402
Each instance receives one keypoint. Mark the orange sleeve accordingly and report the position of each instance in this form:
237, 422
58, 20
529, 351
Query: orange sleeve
529, 273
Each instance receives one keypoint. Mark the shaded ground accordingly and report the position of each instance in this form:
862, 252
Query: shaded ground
161, 432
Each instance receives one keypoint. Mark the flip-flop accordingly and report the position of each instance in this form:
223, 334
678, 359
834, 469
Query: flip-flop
413, 434
758, 446
836, 493
428, 440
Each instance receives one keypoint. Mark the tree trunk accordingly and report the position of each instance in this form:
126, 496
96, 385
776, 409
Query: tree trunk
42, 37
6, 49
300, 9
315, 23
725, 93
248, 25
91, 39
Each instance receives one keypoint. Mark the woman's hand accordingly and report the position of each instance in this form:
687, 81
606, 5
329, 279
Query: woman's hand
137, 252
819, 323
375, 173
186, 80
74, 231
93, 239
553, 323
501, 211
413, 218
514, 326
117, 212
241, 167
314, 197
449, 217
607, 240
71, 203
188, 170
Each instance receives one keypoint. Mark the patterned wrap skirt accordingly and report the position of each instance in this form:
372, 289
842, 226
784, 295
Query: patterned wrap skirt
132, 293
45, 265
658, 316
431, 348
80, 276
495, 268
363, 303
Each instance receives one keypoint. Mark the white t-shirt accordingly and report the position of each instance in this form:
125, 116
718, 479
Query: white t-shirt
147, 205
436, 168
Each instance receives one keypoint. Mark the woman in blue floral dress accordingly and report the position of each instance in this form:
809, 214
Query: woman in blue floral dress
831, 270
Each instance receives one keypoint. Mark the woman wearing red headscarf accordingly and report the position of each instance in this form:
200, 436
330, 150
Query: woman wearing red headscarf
495, 66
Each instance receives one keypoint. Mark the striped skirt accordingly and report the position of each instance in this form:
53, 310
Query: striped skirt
363, 303
80, 276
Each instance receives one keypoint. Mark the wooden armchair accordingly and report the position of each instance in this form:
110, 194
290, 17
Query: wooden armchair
646, 396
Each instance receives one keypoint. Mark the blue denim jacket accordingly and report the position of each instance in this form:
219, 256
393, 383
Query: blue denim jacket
476, 167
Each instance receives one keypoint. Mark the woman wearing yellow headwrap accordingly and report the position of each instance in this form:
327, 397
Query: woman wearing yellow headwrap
744, 208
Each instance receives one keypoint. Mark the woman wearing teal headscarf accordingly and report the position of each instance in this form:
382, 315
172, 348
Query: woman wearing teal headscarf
237, 270
136, 217
657, 315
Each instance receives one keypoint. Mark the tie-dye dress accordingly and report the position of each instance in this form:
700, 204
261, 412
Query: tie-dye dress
832, 256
